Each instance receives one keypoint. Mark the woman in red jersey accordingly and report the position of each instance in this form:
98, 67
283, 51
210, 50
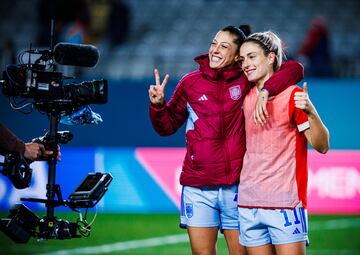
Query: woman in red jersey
210, 101
273, 182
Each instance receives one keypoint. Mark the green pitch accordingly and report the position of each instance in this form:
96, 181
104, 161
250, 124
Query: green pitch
136, 234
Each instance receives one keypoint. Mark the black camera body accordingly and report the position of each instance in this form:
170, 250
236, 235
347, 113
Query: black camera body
48, 89
32, 81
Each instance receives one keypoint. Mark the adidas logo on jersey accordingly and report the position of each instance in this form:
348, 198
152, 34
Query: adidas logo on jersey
203, 98
296, 231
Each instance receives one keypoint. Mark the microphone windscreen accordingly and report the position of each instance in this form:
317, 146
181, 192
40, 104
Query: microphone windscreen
84, 55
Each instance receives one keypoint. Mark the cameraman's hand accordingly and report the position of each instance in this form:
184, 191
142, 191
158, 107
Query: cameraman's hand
34, 151
156, 92
37, 151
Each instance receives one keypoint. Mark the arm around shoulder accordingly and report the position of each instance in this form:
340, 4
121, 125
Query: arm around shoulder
290, 73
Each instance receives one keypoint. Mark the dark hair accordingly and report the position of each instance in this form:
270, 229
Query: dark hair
246, 28
235, 31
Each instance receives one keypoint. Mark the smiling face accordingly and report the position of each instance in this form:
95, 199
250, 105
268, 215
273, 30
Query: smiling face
223, 51
257, 66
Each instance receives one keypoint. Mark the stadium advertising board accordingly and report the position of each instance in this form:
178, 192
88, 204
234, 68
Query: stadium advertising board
146, 180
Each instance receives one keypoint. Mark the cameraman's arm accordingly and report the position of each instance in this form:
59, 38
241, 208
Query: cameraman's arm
9, 143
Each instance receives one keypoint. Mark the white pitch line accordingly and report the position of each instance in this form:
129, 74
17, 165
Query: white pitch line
122, 246
174, 239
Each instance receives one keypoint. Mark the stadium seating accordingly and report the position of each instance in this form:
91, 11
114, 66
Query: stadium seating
169, 33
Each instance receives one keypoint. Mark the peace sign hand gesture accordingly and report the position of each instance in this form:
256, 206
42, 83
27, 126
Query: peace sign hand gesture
156, 92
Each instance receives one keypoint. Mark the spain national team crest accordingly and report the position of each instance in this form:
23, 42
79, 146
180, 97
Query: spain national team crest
189, 210
235, 92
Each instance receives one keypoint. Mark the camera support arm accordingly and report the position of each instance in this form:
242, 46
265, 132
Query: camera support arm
53, 144
51, 140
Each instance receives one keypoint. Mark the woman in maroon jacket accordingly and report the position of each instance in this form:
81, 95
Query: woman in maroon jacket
210, 100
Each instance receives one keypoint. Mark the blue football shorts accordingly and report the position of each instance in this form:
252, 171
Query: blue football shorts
274, 226
209, 207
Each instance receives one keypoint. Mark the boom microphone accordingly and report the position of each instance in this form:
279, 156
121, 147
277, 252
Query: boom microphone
85, 55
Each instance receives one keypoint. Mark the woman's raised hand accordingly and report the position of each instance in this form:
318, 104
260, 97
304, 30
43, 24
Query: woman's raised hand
156, 92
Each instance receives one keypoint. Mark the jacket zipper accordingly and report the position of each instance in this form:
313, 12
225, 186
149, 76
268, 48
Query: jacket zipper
223, 131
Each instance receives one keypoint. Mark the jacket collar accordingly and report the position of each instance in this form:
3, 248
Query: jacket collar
227, 73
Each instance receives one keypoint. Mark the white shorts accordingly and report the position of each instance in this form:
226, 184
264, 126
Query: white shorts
274, 226
209, 207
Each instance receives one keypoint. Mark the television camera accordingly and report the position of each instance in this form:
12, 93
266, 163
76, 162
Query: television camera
42, 87
41, 82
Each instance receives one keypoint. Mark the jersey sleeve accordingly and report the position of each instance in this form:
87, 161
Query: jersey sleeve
298, 116
290, 73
